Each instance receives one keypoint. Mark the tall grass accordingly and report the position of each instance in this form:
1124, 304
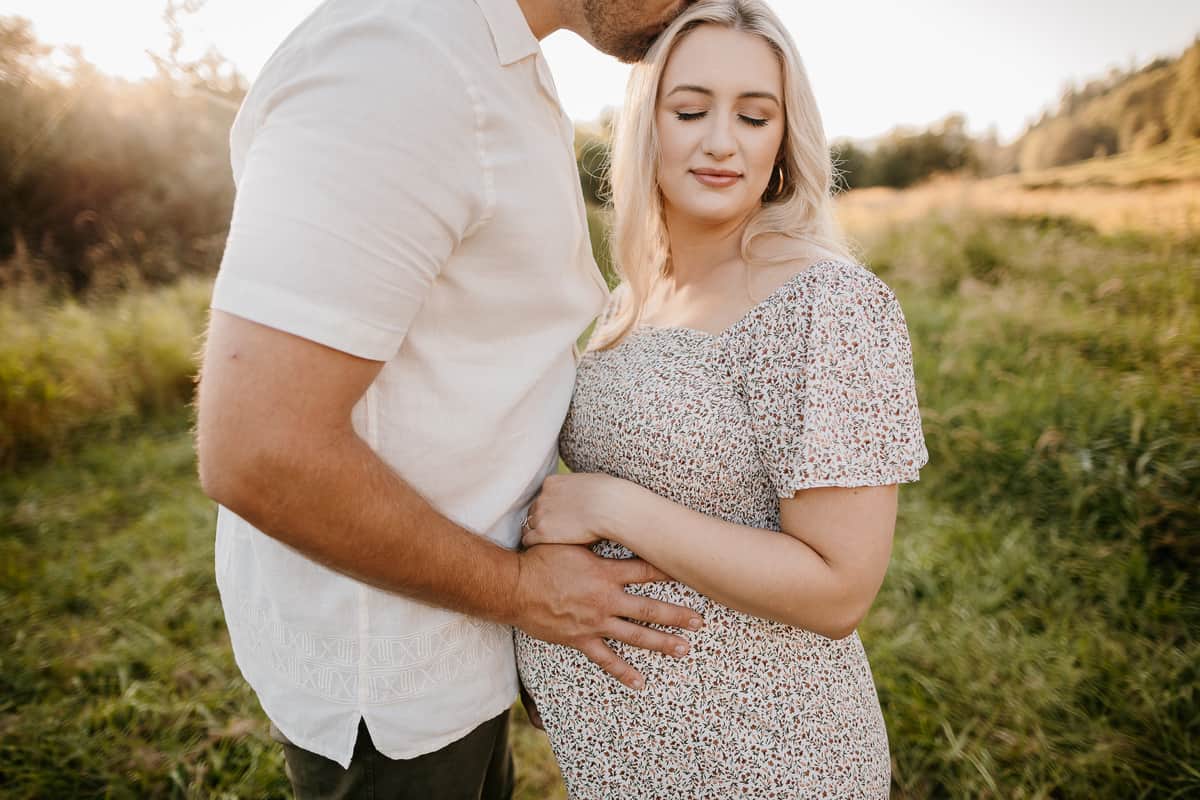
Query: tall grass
1037, 632
1036, 636
71, 366
1058, 370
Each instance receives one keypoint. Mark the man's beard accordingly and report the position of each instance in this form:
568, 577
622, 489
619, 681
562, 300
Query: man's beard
609, 37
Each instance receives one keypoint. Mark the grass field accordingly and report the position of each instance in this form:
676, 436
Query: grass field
1155, 192
1036, 636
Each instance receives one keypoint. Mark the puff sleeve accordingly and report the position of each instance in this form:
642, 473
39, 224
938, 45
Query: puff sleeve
830, 386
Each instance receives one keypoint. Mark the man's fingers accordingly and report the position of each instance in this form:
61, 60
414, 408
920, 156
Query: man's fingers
649, 639
614, 665
656, 612
635, 570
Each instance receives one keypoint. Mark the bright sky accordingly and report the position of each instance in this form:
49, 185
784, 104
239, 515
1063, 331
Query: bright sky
874, 64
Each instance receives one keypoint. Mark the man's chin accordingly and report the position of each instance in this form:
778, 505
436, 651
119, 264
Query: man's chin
633, 49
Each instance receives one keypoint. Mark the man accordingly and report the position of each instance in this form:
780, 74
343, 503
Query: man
390, 357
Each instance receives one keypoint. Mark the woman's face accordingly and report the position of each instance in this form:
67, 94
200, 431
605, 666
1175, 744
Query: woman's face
720, 124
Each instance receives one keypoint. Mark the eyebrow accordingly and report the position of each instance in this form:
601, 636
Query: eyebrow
702, 90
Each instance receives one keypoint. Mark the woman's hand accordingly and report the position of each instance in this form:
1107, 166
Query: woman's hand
531, 710
579, 508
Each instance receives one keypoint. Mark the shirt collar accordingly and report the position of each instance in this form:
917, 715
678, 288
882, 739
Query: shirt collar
510, 32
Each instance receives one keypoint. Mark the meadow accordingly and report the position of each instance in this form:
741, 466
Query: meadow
1037, 636
1157, 190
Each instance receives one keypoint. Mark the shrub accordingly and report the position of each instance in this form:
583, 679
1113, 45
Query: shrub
68, 367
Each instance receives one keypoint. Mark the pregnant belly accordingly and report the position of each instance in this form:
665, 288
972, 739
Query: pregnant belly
734, 654
752, 694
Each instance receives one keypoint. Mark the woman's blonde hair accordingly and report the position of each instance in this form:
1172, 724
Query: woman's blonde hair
801, 208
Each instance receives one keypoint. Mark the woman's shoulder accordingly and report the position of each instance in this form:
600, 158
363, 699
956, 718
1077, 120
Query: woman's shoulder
837, 278
835, 287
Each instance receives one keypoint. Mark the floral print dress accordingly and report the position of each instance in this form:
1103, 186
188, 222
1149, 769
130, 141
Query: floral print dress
812, 387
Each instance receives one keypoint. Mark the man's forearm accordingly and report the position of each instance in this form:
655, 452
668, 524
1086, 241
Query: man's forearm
341, 505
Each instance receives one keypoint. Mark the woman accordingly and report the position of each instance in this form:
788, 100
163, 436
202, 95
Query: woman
741, 421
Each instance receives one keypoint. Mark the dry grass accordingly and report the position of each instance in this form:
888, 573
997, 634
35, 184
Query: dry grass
1171, 208
1166, 164
1153, 192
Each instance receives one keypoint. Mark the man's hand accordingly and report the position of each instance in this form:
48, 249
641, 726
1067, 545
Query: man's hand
568, 595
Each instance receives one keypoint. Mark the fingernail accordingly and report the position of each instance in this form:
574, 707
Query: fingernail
696, 624
680, 650
639, 684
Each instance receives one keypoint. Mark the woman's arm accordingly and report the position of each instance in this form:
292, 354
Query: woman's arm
821, 574
831, 402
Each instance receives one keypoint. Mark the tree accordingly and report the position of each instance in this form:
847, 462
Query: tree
107, 178
853, 165
20, 51
1183, 104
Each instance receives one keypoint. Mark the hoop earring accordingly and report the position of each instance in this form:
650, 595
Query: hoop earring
777, 184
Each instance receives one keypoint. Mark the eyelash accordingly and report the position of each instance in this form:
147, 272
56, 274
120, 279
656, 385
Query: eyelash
684, 116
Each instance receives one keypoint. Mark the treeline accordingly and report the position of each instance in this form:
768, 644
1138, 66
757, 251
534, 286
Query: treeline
1128, 111
107, 181
905, 157
104, 182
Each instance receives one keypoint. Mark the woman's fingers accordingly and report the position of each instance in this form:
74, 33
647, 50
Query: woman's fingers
635, 570
540, 536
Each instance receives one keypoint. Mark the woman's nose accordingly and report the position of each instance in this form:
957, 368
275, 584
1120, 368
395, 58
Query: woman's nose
718, 139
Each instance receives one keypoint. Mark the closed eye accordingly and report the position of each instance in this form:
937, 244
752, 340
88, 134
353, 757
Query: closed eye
688, 116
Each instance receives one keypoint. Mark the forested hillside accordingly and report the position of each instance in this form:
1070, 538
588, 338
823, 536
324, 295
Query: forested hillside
1125, 112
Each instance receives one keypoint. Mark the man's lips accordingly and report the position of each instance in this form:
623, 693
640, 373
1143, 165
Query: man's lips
717, 178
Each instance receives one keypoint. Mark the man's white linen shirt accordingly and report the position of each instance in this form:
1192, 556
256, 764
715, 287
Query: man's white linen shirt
407, 193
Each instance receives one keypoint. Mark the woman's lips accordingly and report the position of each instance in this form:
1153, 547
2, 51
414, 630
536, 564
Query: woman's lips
716, 178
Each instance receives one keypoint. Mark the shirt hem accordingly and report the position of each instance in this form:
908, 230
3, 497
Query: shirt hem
433, 745
439, 743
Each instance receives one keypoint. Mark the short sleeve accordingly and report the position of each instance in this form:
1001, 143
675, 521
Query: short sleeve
830, 387
358, 173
